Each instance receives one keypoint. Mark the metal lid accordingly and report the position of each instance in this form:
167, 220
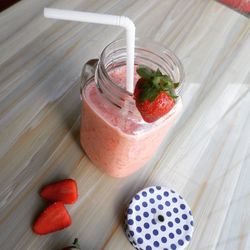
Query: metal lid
158, 218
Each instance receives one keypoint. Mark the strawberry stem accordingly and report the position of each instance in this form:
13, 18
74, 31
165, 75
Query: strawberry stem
75, 243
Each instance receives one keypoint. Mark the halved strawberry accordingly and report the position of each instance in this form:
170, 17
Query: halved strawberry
154, 94
55, 217
64, 191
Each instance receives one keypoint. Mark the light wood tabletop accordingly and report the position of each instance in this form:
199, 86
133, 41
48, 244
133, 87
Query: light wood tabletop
205, 157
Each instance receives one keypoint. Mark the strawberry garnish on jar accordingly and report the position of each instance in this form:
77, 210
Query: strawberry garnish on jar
154, 94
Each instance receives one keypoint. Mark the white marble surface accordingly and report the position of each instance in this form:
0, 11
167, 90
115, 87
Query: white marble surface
206, 157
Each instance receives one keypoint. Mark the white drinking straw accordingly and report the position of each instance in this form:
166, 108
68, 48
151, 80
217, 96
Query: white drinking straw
89, 17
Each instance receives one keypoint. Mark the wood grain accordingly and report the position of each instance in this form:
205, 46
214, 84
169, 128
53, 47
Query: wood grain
205, 157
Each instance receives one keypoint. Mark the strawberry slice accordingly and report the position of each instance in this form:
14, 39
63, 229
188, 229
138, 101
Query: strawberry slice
64, 191
154, 94
55, 217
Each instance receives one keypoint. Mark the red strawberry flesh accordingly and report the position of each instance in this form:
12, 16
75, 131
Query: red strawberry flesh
152, 111
53, 218
64, 191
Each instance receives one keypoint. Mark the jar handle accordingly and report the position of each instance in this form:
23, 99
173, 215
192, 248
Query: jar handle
88, 71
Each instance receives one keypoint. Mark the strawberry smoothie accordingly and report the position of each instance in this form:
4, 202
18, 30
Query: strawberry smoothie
115, 141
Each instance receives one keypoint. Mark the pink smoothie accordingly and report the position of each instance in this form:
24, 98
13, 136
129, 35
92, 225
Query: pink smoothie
117, 145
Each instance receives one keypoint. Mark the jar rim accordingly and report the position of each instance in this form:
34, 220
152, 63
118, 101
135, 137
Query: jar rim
174, 58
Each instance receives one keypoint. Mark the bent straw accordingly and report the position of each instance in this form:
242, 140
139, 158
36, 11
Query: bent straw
121, 21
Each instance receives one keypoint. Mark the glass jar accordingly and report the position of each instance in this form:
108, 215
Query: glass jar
113, 133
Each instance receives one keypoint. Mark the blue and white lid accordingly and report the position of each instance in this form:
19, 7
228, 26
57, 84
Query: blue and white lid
158, 218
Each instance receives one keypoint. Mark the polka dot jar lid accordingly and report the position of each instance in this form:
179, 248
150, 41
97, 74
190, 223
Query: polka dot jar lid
158, 218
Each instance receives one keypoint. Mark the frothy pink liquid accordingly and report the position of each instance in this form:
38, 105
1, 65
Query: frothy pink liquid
113, 142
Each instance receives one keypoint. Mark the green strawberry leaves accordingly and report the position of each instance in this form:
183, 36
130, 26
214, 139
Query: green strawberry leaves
145, 72
176, 85
148, 91
153, 83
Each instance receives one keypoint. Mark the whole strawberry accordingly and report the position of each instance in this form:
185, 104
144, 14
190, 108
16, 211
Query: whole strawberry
154, 94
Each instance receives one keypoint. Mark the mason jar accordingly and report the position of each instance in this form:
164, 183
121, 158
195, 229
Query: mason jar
112, 133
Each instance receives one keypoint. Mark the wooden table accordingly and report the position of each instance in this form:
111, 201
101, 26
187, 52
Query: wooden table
205, 157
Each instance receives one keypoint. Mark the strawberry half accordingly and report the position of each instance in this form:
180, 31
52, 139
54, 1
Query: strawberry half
55, 217
64, 191
154, 94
